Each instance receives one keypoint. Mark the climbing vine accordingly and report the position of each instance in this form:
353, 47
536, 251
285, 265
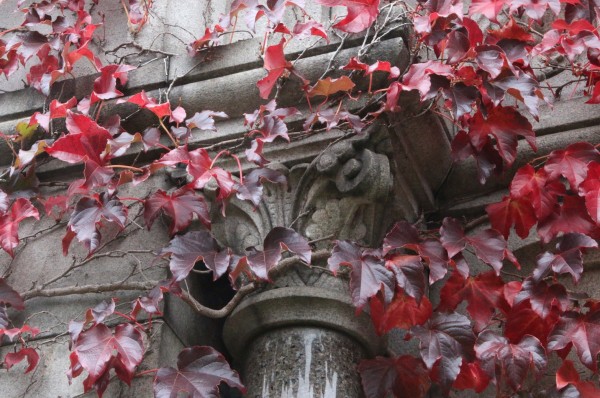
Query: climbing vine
483, 67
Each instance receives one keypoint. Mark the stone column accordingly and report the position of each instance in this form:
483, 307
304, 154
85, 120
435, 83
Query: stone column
300, 336
300, 342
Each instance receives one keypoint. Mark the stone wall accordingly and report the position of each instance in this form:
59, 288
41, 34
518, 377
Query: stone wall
353, 190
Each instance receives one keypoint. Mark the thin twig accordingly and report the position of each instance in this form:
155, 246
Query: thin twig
328, 237
476, 222
182, 76
335, 54
304, 214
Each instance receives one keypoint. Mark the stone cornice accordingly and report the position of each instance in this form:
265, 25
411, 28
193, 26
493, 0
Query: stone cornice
225, 82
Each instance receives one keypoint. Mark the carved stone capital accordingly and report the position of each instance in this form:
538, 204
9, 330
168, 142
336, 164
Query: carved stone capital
341, 194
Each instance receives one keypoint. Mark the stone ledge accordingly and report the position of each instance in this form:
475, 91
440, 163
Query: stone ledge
234, 94
461, 192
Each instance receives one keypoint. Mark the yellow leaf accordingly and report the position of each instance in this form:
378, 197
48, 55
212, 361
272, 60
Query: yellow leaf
329, 86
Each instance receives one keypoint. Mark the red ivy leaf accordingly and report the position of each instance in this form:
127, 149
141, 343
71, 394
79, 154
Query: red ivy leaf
543, 298
489, 245
252, 188
523, 87
518, 212
566, 374
94, 349
9, 223
313, 28
404, 376
409, 273
57, 110
587, 389
403, 313
456, 46
505, 125
199, 372
105, 86
187, 249
402, 234
571, 216
180, 206
178, 115
275, 64
432, 251
583, 331
461, 97
272, 128
445, 340
500, 359
368, 275
452, 236
378, 66
512, 31
483, 293
13, 358
87, 218
142, 100
472, 377
572, 163
277, 239
100, 312
86, 141
569, 259
361, 14
209, 38
201, 168
490, 58
488, 8
595, 96
532, 185
522, 320
8, 296
590, 187
536, 9
205, 120
419, 76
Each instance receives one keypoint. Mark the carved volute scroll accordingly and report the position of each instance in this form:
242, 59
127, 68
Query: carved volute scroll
341, 194
344, 191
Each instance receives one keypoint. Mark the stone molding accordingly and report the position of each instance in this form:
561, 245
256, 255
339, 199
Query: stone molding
297, 306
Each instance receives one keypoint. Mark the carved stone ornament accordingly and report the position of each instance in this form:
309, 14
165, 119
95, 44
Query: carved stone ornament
299, 337
342, 194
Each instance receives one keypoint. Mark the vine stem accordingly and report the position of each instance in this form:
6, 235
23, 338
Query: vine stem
162, 124
246, 289
223, 312
237, 159
123, 166
146, 372
476, 222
